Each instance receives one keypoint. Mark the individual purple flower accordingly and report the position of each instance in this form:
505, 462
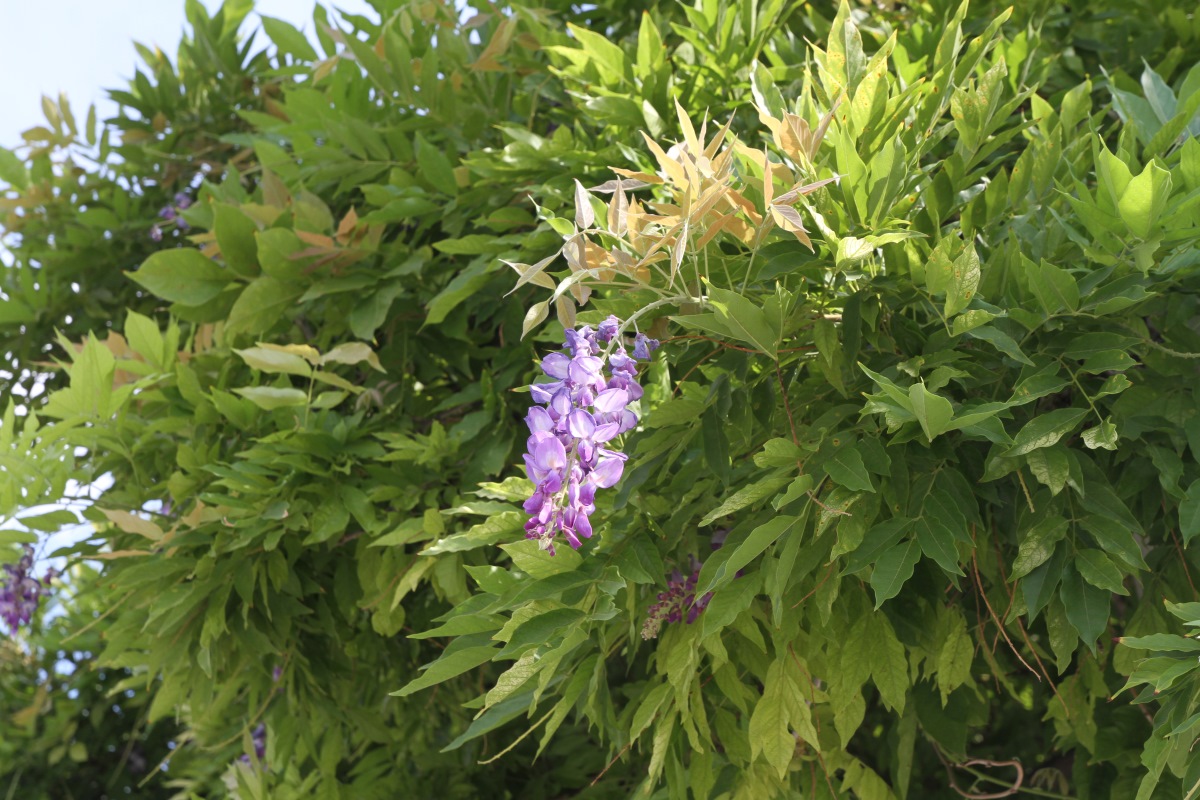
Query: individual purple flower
575, 417
643, 347
678, 602
20, 592
606, 330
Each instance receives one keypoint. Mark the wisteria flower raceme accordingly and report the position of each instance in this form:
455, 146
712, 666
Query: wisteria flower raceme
20, 592
258, 738
170, 213
577, 413
678, 602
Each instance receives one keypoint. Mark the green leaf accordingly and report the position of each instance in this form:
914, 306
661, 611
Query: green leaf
875, 542
727, 603
1103, 436
51, 521
182, 275
955, 656
893, 569
1163, 642
1144, 199
464, 285
271, 397
648, 709
964, 282
745, 320
1050, 467
1046, 430
538, 563
847, 469
1001, 341
17, 537
970, 320
352, 353
289, 40
1037, 545
12, 170
1087, 607
716, 443
1098, 570
769, 733
718, 571
940, 525
932, 411
435, 167
451, 664
260, 305
1054, 288
273, 361
540, 630
235, 232
1189, 513
1113, 537
746, 496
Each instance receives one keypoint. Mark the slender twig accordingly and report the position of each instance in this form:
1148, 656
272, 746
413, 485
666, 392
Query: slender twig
787, 406
996, 619
617, 757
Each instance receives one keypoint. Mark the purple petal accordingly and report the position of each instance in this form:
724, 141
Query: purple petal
538, 419
561, 403
542, 392
611, 400
608, 329
581, 424
607, 431
555, 365
607, 472
584, 369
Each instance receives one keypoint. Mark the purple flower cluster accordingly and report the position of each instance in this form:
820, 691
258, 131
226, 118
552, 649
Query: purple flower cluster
678, 602
170, 213
20, 592
258, 738
579, 412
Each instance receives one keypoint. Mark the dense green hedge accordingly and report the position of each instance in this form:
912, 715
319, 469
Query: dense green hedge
921, 438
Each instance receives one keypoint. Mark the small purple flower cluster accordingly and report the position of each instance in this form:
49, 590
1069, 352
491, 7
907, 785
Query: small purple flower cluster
678, 602
170, 213
577, 413
258, 738
20, 592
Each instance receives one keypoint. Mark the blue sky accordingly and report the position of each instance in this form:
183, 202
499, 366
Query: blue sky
82, 47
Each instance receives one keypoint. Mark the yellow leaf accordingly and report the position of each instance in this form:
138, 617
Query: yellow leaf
131, 523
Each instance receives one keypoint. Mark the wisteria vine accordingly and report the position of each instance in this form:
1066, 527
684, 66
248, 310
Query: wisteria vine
574, 418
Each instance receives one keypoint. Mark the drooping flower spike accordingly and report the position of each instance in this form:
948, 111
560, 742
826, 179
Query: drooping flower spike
20, 592
576, 415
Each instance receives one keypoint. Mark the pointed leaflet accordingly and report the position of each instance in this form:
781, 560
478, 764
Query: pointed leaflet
964, 282
1087, 607
719, 570
932, 411
1046, 430
893, 569
1099, 570
746, 320
452, 663
1189, 513
182, 275
846, 468
585, 215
